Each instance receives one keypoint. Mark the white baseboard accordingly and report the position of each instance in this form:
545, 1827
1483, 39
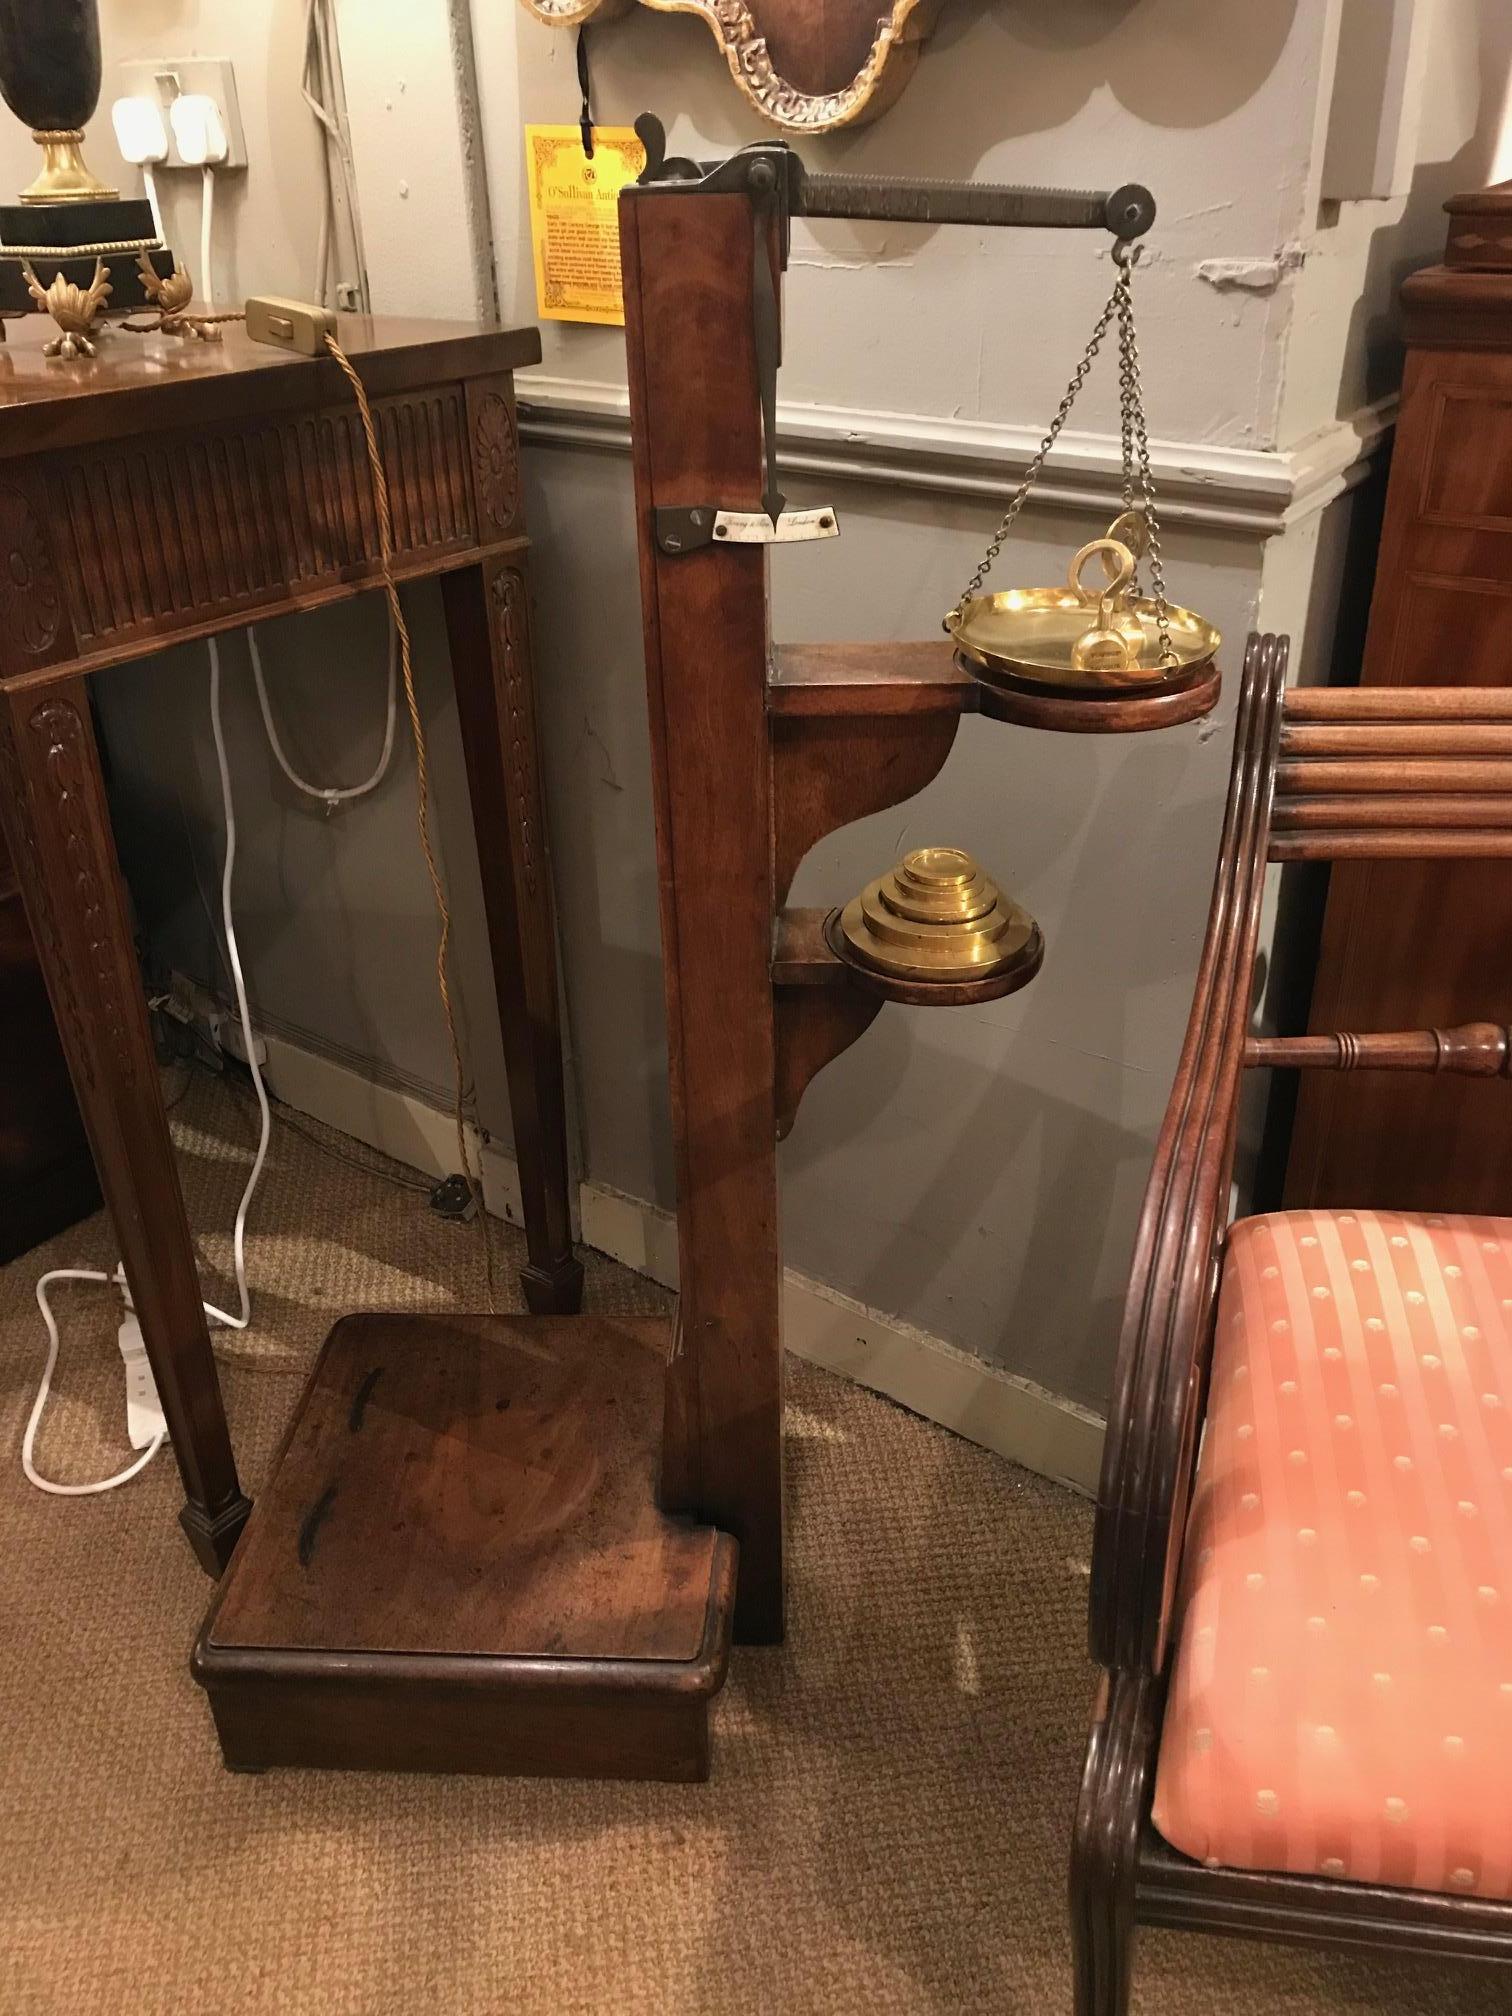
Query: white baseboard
988, 1406
394, 1122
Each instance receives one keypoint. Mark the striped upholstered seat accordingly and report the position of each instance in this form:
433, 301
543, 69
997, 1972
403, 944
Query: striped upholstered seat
1341, 1697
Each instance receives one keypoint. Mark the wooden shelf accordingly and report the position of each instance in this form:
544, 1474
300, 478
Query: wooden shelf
1023, 706
827, 681
460, 1564
805, 955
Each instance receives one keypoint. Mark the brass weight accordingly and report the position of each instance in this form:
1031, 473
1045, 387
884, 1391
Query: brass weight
936, 916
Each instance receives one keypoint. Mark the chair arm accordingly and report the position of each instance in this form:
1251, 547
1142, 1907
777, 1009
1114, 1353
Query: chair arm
1164, 1345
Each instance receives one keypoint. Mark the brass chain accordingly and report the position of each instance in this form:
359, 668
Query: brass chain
1037, 461
1131, 404
1138, 482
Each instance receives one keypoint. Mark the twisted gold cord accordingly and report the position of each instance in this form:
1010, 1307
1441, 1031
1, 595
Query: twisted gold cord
422, 779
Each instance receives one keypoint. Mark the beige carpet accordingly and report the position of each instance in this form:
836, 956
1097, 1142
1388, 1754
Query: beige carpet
886, 1828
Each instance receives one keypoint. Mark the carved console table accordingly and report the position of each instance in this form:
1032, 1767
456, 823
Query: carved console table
169, 490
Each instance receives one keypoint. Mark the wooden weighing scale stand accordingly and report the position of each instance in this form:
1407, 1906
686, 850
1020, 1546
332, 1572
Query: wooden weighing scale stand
525, 1544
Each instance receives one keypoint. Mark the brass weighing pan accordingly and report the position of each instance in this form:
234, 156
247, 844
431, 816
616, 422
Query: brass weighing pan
1095, 643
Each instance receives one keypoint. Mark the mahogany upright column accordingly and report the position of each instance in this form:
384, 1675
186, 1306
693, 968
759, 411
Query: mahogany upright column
696, 418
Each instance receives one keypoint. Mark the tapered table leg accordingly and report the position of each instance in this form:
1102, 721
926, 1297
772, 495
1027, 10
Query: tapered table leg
488, 622
57, 825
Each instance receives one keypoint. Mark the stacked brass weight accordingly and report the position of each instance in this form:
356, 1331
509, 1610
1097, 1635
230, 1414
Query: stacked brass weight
938, 917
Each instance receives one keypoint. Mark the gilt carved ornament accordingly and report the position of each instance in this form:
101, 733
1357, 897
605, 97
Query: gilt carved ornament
808, 66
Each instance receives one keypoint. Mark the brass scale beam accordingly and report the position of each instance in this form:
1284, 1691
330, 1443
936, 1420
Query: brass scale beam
779, 185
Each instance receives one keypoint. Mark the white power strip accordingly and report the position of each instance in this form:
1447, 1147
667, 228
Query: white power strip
144, 1411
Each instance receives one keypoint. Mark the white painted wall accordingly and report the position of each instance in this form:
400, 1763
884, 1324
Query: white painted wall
975, 1174
418, 154
934, 320
1341, 349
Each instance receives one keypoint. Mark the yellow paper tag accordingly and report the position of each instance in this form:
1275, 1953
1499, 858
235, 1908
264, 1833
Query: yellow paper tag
574, 219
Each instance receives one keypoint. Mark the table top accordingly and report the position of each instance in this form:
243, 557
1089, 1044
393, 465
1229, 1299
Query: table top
142, 384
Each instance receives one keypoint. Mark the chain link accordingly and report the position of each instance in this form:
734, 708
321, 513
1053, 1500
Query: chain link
1037, 462
1131, 400
1138, 485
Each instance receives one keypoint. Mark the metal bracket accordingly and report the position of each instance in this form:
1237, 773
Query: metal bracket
685, 528
769, 170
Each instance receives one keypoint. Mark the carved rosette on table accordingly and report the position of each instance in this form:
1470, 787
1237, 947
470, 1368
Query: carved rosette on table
512, 621
875, 44
496, 464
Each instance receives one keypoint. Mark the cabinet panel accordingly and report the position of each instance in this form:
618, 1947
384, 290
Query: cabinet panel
1468, 480
1417, 944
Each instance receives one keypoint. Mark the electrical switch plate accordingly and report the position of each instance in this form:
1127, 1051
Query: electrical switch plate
144, 1411
300, 326
161, 79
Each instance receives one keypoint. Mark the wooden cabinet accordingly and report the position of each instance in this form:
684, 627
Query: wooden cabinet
47, 1179
1414, 943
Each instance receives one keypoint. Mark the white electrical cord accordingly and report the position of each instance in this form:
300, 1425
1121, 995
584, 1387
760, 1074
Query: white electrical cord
239, 1241
329, 795
207, 223
149, 184
29, 1439
323, 91
238, 981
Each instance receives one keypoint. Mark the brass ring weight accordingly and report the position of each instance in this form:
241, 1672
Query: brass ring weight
1084, 643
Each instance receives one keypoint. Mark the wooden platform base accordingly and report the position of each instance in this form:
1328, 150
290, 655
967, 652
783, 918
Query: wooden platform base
459, 1563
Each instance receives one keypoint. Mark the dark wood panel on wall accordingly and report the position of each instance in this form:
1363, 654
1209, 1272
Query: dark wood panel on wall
47, 1179
1413, 944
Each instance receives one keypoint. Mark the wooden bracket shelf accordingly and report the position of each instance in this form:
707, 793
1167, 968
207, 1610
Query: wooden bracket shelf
824, 1001
805, 955
1022, 706
867, 681
889, 680
854, 728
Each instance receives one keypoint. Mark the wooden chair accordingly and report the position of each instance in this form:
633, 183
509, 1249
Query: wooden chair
1318, 774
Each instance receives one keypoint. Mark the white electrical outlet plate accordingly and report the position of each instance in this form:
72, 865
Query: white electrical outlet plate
164, 78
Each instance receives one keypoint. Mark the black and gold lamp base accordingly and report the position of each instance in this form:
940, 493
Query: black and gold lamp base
66, 238
67, 219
